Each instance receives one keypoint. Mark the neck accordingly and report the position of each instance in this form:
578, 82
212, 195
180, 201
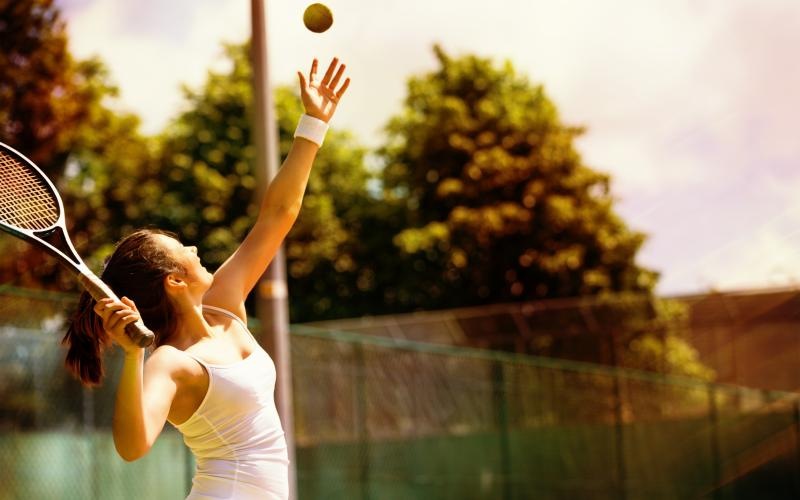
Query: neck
192, 325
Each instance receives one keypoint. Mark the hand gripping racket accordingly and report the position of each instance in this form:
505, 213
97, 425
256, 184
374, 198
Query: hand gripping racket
31, 209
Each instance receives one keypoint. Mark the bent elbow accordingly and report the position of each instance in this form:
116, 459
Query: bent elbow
131, 456
128, 458
131, 453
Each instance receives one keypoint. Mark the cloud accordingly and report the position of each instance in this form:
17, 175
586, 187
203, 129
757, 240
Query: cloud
152, 51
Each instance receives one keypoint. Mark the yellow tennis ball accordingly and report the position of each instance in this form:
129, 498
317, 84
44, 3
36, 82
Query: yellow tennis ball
317, 17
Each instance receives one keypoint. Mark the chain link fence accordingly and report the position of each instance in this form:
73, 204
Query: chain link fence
388, 418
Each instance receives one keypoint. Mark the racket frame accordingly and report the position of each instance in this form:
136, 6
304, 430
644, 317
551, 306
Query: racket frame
55, 236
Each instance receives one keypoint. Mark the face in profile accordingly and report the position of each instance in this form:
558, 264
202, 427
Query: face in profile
196, 275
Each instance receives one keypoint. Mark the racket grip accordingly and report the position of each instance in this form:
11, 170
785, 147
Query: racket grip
137, 332
140, 334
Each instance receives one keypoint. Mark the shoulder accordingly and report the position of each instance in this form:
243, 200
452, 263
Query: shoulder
170, 361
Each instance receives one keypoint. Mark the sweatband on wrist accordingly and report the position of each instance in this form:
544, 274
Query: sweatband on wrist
312, 129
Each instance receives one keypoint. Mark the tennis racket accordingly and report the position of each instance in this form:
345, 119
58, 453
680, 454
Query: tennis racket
31, 209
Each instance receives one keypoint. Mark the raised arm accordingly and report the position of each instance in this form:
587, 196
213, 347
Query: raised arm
282, 200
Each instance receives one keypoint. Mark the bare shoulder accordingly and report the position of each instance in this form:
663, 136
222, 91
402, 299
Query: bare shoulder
171, 362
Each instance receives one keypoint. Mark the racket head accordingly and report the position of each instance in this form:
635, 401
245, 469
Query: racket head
29, 202
31, 209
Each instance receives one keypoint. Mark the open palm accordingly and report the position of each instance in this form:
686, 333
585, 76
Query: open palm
321, 97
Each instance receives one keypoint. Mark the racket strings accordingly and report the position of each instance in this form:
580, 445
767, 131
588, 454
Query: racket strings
26, 200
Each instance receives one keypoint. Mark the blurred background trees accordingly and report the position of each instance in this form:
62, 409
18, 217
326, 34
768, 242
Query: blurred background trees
496, 204
481, 195
54, 109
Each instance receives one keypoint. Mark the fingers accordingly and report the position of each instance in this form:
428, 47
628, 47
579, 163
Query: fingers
313, 72
340, 93
330, 81
129, 303
121, 320
329, 73
116, 315
337, 77
320, 98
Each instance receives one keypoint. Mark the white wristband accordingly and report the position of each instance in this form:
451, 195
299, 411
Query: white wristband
312, 129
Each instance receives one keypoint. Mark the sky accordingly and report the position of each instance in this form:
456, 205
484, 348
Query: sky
690, 105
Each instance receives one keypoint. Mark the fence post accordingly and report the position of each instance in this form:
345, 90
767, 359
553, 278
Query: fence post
87, 410
713, 422
500, 396
797, 442
619, 429
361, 419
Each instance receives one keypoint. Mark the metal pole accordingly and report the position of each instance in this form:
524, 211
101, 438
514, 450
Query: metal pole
716, 458
362, 424
619, 422
272, 306
500, 402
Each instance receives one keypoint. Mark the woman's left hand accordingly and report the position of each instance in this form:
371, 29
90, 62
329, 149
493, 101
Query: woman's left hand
321, 97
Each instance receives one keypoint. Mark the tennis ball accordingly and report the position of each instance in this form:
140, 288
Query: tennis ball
317, 17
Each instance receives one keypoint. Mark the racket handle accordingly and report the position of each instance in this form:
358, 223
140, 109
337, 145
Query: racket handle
137, 332
140, 334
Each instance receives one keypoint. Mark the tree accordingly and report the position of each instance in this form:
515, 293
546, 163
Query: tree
207, 170
196, 178
55, 110
490, 202
43, 99
498, 205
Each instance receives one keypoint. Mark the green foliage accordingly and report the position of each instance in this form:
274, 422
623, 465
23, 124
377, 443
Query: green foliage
485, 198
206, 165
494, 201
662, 346
207, 175
54, 109
43, 97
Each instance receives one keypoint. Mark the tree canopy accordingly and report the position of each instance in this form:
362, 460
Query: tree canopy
53, 108
483, 196
497, 204
208, 179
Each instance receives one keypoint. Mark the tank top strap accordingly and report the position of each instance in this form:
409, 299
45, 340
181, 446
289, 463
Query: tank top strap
199, 360
227, 313
233, 316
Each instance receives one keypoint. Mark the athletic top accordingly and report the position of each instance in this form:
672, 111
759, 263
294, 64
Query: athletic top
235, 434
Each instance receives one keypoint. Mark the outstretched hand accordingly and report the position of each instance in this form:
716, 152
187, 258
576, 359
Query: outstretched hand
321, 97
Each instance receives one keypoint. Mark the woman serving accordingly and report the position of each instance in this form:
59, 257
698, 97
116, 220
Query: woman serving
207, 375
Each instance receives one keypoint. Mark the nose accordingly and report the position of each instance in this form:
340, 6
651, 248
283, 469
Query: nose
193, 250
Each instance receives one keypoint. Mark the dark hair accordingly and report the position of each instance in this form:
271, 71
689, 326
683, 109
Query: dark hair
136, 270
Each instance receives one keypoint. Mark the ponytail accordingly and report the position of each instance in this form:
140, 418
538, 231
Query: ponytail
87, 340
136, 270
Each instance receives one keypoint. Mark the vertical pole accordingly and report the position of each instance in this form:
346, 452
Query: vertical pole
362, 431
797, 443
500, 397
619, 429
89, 428
713, 417
272, 305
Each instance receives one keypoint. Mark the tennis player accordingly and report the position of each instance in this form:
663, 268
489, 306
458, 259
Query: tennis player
207, 375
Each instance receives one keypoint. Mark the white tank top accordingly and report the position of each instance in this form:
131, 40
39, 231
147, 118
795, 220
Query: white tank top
235, 434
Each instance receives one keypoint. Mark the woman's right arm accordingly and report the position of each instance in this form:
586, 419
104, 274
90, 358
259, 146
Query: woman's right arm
145, 391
